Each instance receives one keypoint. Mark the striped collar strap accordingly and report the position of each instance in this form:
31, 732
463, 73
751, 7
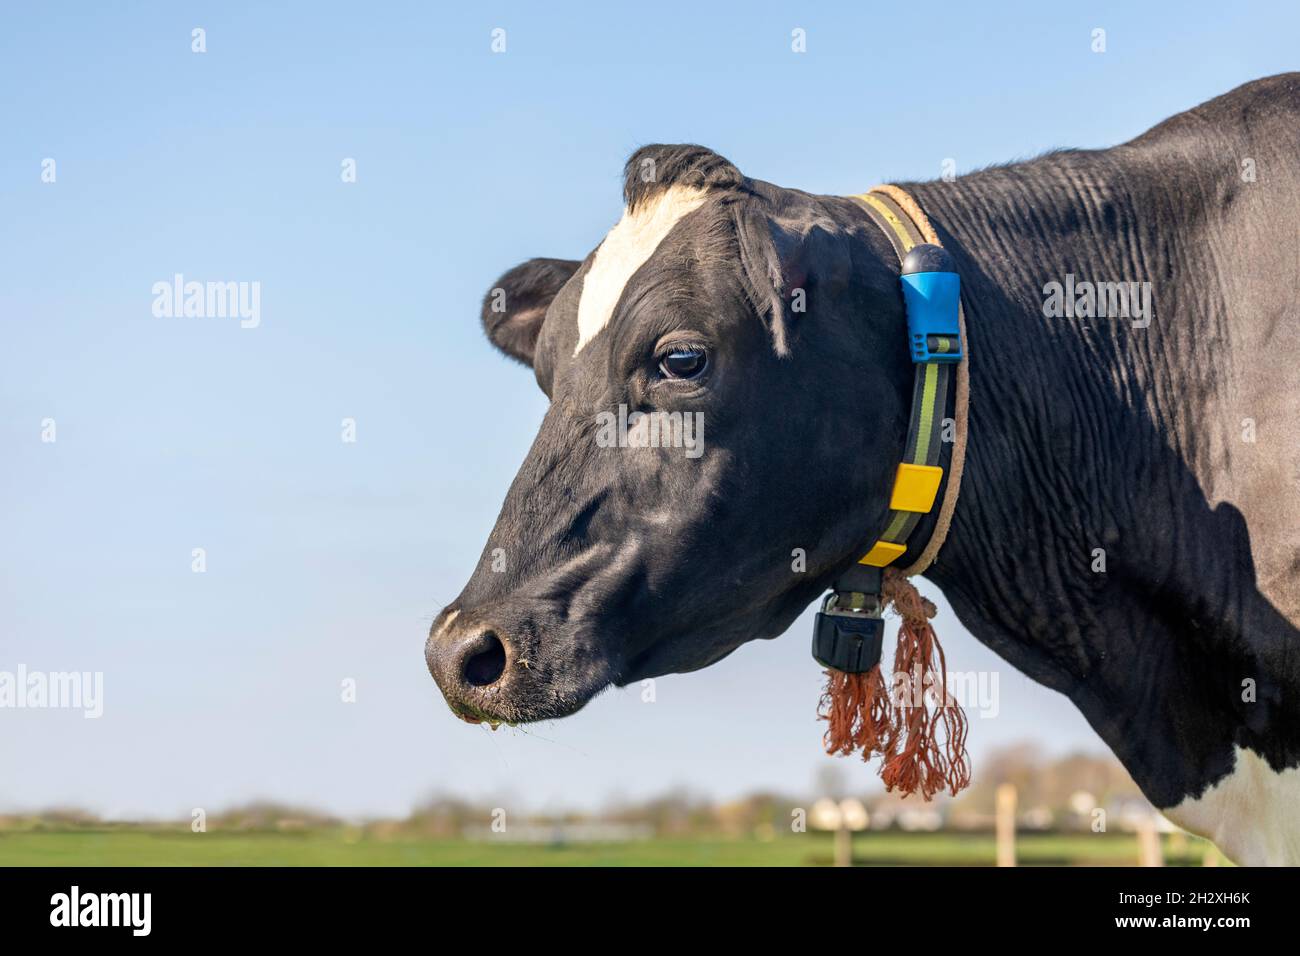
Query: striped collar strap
937, 343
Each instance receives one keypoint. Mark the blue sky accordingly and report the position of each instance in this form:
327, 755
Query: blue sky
327, 560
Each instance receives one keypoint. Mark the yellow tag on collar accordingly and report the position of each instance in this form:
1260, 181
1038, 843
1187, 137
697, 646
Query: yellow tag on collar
915, 487
882, 554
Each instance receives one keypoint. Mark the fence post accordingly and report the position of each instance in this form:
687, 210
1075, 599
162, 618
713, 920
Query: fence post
843, 846
1149, 842
1006, 824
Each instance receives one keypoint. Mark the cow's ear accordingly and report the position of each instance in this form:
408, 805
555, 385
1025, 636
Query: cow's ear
515, 306
785, 260
763, 271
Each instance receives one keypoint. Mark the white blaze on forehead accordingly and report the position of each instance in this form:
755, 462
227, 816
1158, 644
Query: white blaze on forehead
629, 244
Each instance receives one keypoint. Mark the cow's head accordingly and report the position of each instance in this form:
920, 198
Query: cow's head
761, 330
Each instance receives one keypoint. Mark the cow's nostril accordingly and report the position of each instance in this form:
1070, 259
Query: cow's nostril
486, 665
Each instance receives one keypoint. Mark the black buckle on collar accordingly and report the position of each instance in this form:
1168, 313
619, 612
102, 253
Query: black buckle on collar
848, 632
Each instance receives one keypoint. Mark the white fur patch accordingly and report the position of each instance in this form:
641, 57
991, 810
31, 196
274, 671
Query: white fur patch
629, 244
1252, 815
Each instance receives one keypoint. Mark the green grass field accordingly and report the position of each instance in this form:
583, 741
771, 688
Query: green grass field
351, 847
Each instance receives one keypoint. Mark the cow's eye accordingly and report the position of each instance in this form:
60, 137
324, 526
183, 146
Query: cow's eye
683, 361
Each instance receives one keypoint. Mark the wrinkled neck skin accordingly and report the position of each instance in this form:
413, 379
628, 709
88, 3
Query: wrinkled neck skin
1087, 441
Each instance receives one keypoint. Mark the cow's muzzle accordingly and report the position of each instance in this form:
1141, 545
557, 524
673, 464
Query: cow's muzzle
491, 667
470, 662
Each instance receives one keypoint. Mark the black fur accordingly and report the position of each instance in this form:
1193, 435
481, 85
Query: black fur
652, 169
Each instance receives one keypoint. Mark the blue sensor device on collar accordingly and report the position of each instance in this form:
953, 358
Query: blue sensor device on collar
932, 295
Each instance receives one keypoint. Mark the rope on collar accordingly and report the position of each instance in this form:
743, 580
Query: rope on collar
914, 724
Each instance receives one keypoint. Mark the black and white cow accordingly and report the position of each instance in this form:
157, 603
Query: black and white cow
1167, 446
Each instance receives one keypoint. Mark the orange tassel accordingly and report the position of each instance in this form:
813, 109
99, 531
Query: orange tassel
922, 748
856, 708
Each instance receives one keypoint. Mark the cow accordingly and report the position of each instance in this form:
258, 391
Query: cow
1126, 531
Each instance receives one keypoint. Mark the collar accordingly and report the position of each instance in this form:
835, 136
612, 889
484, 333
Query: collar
936, 326
934, 454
